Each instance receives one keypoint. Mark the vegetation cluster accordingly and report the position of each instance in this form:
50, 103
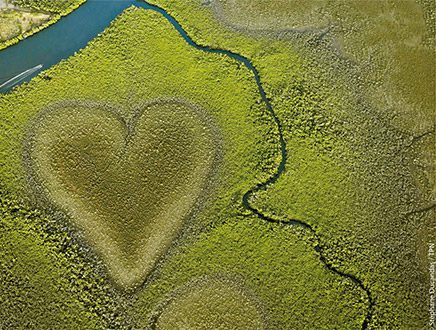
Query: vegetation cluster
359, 168
138, 59
22, 18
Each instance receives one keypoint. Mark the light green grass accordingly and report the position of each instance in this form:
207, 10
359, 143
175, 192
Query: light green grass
272, 15
37, 299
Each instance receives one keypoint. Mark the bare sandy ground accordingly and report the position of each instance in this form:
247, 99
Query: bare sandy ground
5, 4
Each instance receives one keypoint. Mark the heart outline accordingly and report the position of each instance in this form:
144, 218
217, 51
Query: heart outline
46, 203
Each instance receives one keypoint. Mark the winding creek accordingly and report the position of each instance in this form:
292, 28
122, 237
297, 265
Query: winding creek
24, 60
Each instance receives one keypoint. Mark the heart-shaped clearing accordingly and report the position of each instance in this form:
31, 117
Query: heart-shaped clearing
212, 302
128, 187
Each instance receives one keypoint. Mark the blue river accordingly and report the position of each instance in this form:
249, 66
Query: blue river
60, 40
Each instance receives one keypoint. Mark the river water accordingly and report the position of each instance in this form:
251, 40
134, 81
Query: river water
60, 40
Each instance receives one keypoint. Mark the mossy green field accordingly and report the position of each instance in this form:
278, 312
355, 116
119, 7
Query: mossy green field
123, 171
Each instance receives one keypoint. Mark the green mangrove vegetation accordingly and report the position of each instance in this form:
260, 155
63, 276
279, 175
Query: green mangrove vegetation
20, 19
267, 261
358, 168
398, 39
57, 6
106, 94
46, 278
124, 168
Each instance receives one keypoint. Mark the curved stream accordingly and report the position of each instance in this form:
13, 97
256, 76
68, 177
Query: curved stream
86, 23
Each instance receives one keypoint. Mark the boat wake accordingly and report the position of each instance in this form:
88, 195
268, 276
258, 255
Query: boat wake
19, 77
